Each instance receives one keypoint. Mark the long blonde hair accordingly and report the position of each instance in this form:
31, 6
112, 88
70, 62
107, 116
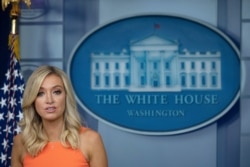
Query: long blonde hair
33, 134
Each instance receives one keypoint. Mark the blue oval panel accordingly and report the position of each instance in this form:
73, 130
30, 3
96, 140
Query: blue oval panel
156, 74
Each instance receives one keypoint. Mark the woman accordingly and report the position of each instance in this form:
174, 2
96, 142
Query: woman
52, 133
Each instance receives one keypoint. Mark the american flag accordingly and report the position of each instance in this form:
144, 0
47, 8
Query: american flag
11, 91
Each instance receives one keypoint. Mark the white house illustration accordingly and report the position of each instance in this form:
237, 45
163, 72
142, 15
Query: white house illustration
155, 64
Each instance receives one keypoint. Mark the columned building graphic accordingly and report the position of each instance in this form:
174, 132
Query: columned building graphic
156, 64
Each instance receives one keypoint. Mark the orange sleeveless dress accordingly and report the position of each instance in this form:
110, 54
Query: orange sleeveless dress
55, 154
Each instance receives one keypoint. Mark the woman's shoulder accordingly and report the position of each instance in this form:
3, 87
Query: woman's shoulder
92, 146
18, 143
18, 139
89, 139
89, 134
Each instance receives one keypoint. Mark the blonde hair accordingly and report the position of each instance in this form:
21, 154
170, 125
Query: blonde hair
33, 134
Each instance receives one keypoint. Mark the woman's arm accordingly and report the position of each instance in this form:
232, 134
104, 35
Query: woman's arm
94, 149
16, 154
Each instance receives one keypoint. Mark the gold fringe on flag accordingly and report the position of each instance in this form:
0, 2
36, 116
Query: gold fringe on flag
5, 3
14, 42
14, 15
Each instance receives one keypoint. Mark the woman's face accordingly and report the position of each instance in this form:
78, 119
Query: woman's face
51, 98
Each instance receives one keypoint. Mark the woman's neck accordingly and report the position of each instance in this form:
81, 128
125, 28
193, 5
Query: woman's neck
53, 130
